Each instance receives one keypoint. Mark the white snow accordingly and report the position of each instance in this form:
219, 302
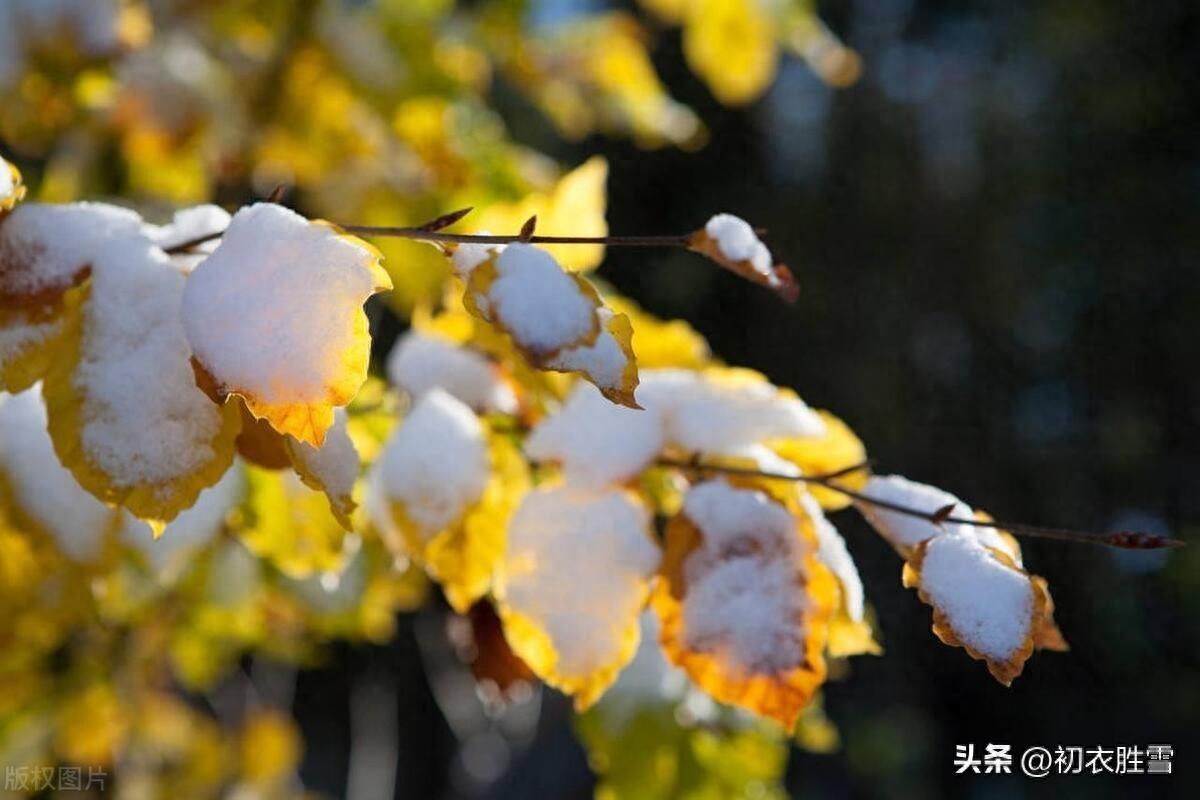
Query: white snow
704, 414
989, 605
744, 595
6, 178
738, 242
421, 362
469, 256
904, 531
603, 361
538, 302
831, 549
270, 312
188, 225
436, 463
144, 419
576, 564
194, 528
45, 492
45, 249
596, 441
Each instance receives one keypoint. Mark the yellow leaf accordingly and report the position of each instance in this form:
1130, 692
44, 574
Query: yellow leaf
572, 585
270, 748
661, 343
731, 44
290, 525
151, 448
29, 343
463, 556
331, 468
275, 317
574, 206
92, 726
739, 561
850, 638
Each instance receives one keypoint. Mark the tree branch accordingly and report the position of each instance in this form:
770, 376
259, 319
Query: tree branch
1130, 540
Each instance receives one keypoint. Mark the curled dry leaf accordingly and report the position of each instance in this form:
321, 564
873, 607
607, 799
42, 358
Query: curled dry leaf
732, 243
983, 602
744, 601
275, 317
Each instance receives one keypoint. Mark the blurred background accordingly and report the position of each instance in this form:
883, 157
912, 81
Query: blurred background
997, 237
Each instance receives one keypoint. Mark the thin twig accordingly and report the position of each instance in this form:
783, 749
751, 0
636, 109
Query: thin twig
1130, 540
680, 240
421, 234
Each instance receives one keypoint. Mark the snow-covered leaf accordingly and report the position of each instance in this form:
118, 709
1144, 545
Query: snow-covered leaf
744, 600
904, 531
47, 249
982, 601
275, 316
719, 411
554, 318
448, 490
732, 243
597, 442
125, 413
574, 579
11, 188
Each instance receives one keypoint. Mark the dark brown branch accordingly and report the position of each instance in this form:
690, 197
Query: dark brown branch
1130, 540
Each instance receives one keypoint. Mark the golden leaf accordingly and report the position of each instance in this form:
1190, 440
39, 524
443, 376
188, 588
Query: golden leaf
277, 278
968, 610
72, 407
731, 44
574, 206
771, 687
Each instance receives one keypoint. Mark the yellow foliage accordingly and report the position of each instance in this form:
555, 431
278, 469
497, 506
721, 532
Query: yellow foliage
574, 206
661, 343
92, 726
732, 45
66, 406
463, 557
780, 695
270, 748
290, 525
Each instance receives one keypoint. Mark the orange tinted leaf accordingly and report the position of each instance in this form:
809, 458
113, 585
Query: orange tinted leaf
744, 602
